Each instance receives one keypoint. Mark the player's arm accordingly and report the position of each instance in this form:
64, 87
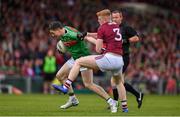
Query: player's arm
134, 39
90, 39
76, 35
99, 41
83, 35
99, 45
132, 35
94, 35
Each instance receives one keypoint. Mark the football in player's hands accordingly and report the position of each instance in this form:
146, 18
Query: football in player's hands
81, 35
61, 47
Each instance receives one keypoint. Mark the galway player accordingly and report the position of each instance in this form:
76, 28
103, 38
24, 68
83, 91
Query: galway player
129, 35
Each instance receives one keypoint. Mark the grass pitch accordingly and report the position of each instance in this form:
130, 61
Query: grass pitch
90, 105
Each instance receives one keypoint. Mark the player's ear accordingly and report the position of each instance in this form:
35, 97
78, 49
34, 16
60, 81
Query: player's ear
51, 33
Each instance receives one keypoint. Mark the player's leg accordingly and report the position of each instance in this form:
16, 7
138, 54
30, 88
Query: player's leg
113, 84
115, 64
130, 88
114, 89
89, 62
62, 77
119, 81
139, 95
87, 77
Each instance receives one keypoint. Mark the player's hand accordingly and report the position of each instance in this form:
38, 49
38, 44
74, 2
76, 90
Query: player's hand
81, 35
103, 50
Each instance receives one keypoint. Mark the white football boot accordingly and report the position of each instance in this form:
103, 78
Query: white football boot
113, 106
71, 102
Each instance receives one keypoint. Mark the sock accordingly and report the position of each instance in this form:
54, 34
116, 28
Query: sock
124, 104
71, 94
109, 100
130, 89
115, 94
67, 84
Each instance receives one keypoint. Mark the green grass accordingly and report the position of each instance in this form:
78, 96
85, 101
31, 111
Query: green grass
90, 105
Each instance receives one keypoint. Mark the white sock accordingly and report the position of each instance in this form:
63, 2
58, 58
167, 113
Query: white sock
72, 97
110, 101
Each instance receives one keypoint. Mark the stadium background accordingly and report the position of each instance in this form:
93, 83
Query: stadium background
25, 41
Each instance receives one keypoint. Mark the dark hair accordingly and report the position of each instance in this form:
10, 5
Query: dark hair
119, 10
55, 25
116, 11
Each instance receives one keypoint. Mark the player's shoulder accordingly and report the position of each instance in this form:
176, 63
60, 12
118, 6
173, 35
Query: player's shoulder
71, 28
108, 24
125, 25
112, 23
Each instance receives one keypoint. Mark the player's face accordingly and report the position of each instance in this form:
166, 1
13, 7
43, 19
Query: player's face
117, 17
56, 33
100, 20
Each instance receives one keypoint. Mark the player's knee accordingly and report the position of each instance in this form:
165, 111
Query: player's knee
88, 85
77, 62
113, 83
59, 77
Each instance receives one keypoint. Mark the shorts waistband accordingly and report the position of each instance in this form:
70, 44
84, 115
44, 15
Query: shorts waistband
114, 54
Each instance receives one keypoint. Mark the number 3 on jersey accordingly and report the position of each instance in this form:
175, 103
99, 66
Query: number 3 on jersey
118, 34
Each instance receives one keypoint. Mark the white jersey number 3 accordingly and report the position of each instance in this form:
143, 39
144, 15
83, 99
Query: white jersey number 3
118, 34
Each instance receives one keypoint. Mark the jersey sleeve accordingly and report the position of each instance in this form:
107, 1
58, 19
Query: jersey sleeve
100, 34
73, 29
73, 35
130, 32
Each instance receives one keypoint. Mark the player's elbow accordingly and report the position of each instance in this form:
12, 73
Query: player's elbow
98, 50
137, 39
134, 39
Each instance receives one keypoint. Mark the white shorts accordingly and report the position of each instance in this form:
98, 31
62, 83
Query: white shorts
70, 64
110, 62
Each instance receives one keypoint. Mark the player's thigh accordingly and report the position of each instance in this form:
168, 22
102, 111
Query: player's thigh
118, 78
63, 72
123, 77
115, 79
87, 76
88, 61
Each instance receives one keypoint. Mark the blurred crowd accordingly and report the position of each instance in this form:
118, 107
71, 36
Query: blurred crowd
25, 41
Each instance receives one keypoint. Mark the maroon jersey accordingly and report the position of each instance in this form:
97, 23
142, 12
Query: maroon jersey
111, 36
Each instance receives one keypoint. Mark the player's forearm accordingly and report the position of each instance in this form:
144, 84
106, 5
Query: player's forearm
94, 35
99, 45
90, 39
134, 39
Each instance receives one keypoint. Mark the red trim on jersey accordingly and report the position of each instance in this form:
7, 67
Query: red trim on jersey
70, 43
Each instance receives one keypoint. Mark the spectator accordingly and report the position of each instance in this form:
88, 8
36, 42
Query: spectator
23, 31
49, 69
